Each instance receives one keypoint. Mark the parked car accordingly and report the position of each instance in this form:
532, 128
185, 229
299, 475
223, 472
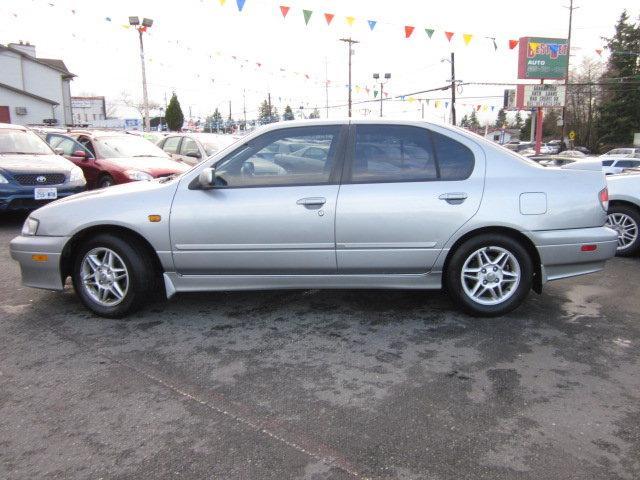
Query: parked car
31, 173
617, 164
584, 150
622, 152
192, 148
68, 147
572, 154
444, 207
624, 211
120, 158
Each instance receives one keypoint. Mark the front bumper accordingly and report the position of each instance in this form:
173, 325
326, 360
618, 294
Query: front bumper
562, 256
21, 198
30, 251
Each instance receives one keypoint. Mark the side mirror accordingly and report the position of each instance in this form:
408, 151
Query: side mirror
80, 154
207, 179
59, 151
194, 154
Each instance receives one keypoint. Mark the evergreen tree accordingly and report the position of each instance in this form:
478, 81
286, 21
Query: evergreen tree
173, 114
213, 122
288, 113
619, 111
501, 121
266, 115
525, 130
464, 123
473, 120
517, 123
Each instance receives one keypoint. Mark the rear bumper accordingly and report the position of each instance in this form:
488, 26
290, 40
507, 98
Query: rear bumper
39, 273
561, 253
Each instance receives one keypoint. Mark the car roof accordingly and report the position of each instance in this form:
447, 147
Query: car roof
11, 126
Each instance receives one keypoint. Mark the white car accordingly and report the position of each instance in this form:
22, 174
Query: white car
616, 164
624, 211
622, 152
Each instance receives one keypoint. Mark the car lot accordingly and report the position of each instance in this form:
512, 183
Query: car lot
322, 384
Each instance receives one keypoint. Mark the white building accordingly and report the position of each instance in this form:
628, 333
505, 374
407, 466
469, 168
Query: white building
33, 91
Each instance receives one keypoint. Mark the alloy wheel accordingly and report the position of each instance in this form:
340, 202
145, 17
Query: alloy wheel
625, 226
104, 276
490, 275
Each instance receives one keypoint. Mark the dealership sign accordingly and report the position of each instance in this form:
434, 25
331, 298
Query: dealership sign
543, 58
544, 95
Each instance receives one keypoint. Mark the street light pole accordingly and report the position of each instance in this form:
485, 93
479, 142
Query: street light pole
350, 42
566, 76
376, 76
146, 23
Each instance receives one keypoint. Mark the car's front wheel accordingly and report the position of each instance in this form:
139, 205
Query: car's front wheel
625, 221
489, 275
105, 181
113, 276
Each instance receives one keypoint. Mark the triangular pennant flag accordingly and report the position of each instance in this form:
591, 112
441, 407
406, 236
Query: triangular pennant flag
284, 10
108, 19
412, 99
429, 32
437, 103
307, 16
240, 4
492, 107
449, 35
222, 2
513, 44
446, 104
408, 30
372, 24
478, 107
467, 38
599, 51
329, 17
386, 94
350, 20
375, 93
495, 45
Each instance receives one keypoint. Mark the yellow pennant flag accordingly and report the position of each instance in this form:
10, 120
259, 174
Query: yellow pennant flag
126, 26
467, 38
357, 88
437, 103
222, 2
350, 20
411, 99
485, 108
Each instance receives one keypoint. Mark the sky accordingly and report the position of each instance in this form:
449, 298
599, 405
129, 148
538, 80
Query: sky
210, 53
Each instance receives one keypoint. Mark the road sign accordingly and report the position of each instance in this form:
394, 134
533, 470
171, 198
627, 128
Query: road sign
540, 57
544, 95
572, 135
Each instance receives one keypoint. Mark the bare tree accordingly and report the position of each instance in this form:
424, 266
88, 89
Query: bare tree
582, 98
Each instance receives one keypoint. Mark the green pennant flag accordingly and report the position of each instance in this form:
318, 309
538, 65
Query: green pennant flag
429, 32
307, 16
375, 93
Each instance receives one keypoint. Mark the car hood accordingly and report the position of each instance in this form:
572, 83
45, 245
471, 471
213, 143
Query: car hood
35, 164
153, 165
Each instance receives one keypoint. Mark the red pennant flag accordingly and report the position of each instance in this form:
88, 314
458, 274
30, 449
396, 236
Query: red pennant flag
513, 44
599, 51
284, 10
449, 35
328, 17
408, 30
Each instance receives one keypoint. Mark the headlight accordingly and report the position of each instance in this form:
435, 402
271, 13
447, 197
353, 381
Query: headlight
76, 175
138, 175
2, 179
30, 226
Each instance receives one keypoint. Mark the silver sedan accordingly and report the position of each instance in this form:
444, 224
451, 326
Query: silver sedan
329, 204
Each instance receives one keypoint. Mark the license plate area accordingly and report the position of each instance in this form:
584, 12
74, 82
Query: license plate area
40, 193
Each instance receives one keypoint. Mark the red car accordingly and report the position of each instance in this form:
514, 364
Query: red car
110, 158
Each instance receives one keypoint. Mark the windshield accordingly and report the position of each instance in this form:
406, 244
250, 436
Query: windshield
127, 146
22, 142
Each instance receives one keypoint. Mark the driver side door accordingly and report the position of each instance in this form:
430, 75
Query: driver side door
268, 214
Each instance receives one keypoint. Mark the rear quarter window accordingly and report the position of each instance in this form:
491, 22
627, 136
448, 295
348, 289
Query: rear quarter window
456, 161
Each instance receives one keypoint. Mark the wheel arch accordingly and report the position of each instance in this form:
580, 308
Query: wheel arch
625, 203
520, 237
66, 259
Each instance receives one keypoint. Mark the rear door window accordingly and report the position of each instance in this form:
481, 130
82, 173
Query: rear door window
171, 144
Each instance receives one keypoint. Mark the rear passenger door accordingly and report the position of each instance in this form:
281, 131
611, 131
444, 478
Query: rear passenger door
405, 191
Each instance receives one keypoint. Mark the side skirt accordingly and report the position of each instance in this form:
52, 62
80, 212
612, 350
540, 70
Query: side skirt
175, 282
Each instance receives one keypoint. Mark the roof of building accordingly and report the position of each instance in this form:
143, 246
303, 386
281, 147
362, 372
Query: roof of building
28, 94
49, 62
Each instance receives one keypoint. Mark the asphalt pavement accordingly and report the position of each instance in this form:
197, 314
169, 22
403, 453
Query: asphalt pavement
322, 384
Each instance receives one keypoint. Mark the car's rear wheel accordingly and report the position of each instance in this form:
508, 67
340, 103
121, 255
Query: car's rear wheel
625, 221
489, 275
113, 276
105, 181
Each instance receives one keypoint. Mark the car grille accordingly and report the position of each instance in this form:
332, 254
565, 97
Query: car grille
40, 178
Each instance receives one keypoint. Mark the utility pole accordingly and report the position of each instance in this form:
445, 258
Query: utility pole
146, 23
270, 112
566, 76
326, 85
244, 108
350, 42
453, 89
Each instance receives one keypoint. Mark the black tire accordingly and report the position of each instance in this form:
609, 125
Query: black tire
105, 181
634, 216
142, 274
453, 274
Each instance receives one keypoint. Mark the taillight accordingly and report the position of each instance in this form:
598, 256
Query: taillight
603, 196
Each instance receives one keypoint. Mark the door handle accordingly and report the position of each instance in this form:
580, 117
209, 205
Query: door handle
311, 201
453, 197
